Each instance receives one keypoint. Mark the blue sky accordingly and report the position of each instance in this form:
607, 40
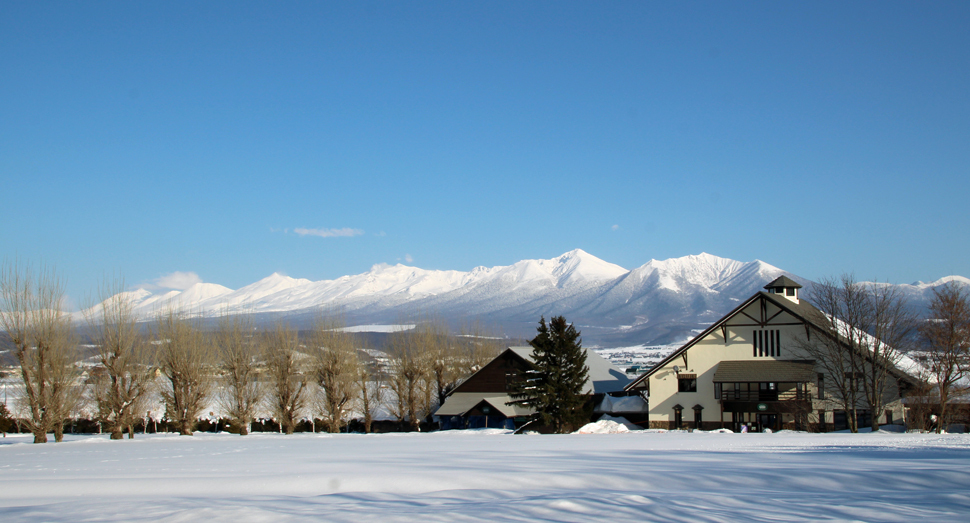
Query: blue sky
147, 139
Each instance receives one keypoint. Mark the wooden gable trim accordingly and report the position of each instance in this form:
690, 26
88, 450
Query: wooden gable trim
638, 383
724, 325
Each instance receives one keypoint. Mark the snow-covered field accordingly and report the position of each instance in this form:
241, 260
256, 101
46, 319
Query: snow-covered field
489, 476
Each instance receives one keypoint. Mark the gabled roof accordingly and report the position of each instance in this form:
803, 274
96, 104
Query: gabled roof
459, 403
802, 310
783, 281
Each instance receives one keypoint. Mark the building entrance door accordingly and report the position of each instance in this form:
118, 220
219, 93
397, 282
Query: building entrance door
767, 421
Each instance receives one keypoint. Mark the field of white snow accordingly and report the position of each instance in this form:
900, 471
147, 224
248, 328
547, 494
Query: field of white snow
489, 476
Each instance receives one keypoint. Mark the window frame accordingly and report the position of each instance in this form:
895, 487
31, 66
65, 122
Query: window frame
687, 384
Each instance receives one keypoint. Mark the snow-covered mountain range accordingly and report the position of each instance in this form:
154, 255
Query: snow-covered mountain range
659, 302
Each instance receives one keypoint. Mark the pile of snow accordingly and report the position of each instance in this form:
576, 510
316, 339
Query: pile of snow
621, 420
603, 426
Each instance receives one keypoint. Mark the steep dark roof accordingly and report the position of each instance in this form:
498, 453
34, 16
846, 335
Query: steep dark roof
755, 371
802, 310
783, 281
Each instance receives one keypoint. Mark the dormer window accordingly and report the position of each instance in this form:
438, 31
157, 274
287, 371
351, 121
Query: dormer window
784, 286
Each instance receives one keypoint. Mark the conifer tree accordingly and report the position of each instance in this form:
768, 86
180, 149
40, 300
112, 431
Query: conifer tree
554, 389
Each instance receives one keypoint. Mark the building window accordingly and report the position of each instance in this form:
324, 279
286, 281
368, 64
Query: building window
687, 383
766, 343
767, 392
789, 291
821, 386
511, 380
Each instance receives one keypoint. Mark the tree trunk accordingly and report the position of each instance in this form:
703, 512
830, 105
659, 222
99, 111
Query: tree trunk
185, 428
131, 431
59, 433
243, 429
40, 437
117, 433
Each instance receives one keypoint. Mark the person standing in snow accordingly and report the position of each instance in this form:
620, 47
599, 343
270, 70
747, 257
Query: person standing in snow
744, 428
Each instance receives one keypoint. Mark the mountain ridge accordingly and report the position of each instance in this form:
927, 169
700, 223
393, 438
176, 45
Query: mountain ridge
658, 302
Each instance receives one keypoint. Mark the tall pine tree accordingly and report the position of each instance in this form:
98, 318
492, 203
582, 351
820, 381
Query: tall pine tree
554, 389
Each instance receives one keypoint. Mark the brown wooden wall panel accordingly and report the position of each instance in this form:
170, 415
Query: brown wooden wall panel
492, 377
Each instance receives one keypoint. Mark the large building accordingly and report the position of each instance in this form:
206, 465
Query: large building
483, 399
754, 367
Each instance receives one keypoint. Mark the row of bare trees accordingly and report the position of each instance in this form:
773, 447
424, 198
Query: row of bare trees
241, 369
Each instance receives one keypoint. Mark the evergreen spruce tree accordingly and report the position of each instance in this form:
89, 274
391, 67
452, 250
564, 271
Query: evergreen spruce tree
554, 389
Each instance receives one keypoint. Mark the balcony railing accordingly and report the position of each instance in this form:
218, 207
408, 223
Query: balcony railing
765, 395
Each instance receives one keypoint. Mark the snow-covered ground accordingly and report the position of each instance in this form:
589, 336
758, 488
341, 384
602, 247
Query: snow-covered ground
489, 476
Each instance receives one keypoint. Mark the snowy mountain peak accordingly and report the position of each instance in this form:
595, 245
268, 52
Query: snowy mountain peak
942, 281
575, 267
704, 270
196, 294
578, 266
271, 285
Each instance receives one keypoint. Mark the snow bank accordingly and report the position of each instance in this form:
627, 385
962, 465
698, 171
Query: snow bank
603, 426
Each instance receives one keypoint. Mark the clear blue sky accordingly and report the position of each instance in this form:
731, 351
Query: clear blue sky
143, 139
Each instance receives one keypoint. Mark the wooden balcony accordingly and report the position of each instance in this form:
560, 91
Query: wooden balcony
765, 395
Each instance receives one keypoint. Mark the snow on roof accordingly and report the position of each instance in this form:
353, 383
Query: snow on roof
622, 404
459, 403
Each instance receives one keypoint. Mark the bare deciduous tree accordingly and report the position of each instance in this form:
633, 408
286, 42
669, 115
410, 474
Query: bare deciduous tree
476, 347
287, 374
946, 334
891, 325
441, 356
451, 359
865, 328
45, 346
125, 373
410, 379
336, 371
238, 351
370, 382
185, 358
921, 401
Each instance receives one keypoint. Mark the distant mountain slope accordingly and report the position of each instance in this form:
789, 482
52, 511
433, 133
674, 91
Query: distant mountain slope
660, 302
